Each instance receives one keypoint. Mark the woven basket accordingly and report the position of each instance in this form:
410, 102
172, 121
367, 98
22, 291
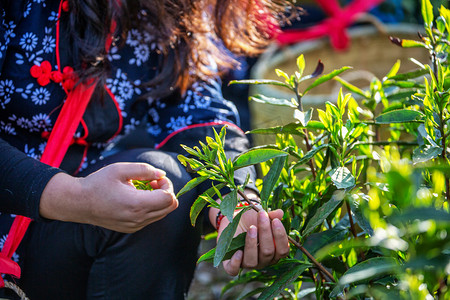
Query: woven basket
371, 54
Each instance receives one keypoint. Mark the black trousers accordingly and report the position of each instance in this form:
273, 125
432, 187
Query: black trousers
62, 260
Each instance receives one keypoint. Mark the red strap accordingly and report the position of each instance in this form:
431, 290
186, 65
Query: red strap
57, 145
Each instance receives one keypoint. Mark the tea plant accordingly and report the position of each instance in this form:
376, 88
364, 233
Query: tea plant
364, 189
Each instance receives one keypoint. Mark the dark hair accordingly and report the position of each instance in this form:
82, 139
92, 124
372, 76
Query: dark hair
190, 33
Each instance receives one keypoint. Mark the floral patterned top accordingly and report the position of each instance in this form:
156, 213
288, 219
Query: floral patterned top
29, 103
35, 75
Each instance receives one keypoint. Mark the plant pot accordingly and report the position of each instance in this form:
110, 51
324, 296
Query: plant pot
371, 53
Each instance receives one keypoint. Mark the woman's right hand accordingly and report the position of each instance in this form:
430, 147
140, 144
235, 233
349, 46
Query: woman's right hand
107, 198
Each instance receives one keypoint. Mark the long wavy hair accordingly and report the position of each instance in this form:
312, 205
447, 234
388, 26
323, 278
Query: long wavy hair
192, 34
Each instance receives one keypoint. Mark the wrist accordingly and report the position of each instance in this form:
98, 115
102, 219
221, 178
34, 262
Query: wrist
59, 198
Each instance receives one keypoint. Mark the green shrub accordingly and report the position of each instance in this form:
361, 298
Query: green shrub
366, 217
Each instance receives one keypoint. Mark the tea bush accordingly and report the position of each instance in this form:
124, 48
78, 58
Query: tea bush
365, 187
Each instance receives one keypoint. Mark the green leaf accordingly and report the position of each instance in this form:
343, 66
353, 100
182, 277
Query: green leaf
394, 69
282, 74
224, 242
237, 243
271, 179
352, 88
200, 202
342, 178
325, 78
142, 185
262, 81
250, 294
324, 211
421, 214
427, 13
291, 128
303, 117
425, 153
256, 156
319, 240
409, 75
272, 101
368, 269
283, 281
228, 205
191, 184
196, 208
399, 116
310, 154
300, 65
412, 44
358, 215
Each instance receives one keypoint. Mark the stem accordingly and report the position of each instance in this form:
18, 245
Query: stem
313, 260
312, 276
352, 226
294, 242
350, 217
305, 131
308, 148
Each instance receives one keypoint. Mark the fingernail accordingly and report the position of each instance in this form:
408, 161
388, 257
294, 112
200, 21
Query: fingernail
277, 223
238, 255
252, 231
262, 216
160, 173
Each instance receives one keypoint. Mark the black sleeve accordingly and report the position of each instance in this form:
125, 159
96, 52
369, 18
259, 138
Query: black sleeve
22, 181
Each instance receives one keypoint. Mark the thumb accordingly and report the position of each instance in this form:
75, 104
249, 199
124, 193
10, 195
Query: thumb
139, 171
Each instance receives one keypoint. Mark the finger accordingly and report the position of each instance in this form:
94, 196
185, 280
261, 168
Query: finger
154, 200
280, 239
162, 183
276, 214
139, 171
251, 248
266, 245
233, 265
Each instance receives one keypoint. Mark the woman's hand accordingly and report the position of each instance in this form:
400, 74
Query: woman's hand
266, 241
107, 197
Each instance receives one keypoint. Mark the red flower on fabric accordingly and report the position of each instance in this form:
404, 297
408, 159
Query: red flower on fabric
65, 6
42, 72
69, 78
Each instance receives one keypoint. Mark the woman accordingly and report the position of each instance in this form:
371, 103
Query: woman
154, 65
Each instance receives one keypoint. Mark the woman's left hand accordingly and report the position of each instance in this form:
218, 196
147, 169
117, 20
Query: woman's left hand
266, 241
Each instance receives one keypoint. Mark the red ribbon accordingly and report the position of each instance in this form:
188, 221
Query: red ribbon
57, 145
335, 26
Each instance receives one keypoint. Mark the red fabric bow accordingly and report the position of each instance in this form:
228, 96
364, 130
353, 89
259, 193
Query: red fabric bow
335, 26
